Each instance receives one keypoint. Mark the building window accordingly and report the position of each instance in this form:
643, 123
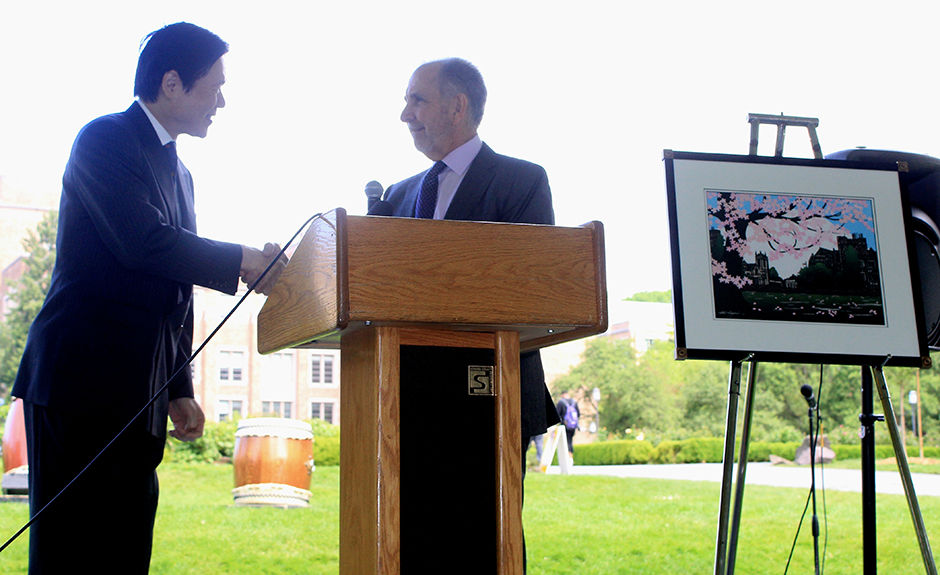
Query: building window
321, 369
231, 367
322, 410
228, 409
277, 408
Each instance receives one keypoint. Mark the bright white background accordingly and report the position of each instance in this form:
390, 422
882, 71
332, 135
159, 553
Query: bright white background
593, 91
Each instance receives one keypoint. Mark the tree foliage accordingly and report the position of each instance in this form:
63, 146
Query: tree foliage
26, 297
669, 399
652, 296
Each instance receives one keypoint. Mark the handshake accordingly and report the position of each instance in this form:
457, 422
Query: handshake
255, 261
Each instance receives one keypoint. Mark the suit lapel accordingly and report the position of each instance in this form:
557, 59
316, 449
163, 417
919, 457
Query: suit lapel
410, 197
165, 172
469, 195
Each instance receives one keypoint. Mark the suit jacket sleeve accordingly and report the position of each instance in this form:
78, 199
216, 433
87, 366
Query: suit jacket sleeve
535, 205
112, 177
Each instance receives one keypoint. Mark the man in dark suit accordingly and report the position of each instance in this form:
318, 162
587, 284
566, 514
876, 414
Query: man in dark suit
444, 105
117, 320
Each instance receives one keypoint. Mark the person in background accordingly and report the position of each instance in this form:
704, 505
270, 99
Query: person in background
570, 416
117, 321
538, 440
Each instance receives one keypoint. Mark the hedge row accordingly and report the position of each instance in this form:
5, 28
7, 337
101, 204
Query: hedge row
218, 444
710, 450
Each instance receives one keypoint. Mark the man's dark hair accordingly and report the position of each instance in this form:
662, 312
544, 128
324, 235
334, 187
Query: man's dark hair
461, 77
184, 47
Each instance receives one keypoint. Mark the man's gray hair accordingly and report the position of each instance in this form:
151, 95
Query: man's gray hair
461, 77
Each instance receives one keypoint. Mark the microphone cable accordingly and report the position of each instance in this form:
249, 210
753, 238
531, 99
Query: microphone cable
166, 383
809, 495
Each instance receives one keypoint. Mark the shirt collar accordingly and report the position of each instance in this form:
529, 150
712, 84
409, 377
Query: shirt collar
460, 158
164, 136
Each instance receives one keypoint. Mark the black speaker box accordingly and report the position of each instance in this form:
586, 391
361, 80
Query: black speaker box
922, 180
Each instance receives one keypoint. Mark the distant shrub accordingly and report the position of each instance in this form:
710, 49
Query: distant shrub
326, 450
847, 451
666, 452
701, 449
325, 442
762, 450
217, 442
693, 450
323, 429
618, 452
883, 451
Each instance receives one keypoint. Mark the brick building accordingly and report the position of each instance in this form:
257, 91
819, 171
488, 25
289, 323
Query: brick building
232, 379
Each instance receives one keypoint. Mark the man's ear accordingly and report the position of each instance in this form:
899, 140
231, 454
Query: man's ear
461, 107
172, 85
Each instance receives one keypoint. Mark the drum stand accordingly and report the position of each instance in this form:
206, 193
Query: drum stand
725, 543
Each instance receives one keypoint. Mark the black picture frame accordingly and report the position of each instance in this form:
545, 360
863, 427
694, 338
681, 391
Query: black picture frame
792, 260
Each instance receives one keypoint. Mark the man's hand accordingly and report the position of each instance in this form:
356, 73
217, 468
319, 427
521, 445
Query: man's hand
188, 419
254, 262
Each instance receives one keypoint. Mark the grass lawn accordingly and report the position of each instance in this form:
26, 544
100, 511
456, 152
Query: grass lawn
574, 525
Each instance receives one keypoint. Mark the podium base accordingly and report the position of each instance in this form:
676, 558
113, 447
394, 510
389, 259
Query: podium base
448, 462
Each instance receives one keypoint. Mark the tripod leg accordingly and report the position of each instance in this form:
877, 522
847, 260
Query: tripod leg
742, 467
721, 540
869, 526
904, 469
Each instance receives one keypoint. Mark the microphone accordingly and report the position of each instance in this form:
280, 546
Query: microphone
373, 193
807, 391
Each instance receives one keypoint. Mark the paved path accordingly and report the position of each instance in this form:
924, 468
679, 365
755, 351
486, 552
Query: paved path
925, 484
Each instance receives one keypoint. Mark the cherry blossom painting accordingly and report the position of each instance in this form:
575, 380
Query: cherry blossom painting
794, 257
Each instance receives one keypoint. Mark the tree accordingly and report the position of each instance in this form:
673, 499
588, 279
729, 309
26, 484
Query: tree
652, 296
669, 399
703, 399
787, 229
635, 394
26, 297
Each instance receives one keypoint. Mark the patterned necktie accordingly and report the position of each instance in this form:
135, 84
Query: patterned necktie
427, 197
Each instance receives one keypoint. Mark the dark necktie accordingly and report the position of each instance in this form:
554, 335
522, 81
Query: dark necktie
170, 148
427, 197
181, 213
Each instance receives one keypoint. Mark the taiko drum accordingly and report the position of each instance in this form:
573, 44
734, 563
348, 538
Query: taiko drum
273, 461
14, 437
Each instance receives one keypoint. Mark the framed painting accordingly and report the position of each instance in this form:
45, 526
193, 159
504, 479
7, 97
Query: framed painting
782, 259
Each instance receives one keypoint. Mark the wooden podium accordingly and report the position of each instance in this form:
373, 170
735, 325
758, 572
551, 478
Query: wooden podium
431, 317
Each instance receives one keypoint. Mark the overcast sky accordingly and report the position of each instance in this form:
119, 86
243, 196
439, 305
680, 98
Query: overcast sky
593, 91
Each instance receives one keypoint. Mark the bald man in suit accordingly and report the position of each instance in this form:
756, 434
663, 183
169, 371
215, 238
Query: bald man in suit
444, 105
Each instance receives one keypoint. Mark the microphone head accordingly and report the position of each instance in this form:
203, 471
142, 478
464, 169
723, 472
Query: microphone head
807, 390
374, 190
381, 208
